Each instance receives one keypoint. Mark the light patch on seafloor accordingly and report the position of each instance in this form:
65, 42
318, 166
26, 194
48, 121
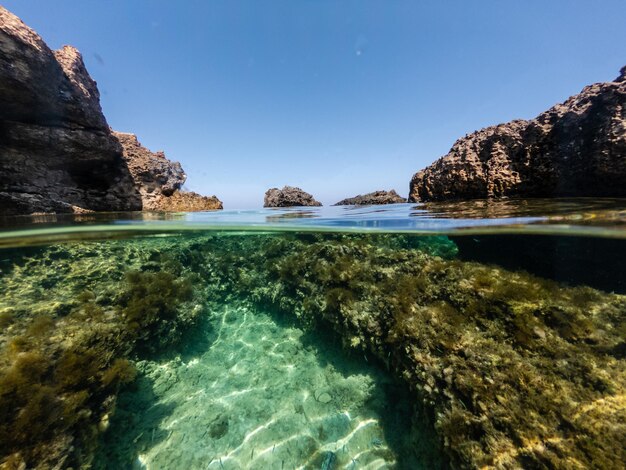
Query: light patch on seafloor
258, 396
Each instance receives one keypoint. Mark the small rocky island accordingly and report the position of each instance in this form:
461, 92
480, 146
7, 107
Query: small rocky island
289, 196
374, 198
57, 152
576, 148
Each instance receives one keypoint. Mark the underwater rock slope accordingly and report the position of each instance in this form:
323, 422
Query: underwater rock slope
576, 148
513, 371
57, 153
67, 338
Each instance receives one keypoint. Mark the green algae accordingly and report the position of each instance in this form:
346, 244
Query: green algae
511, 370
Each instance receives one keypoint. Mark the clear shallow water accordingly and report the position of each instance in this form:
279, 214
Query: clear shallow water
257, 393
463, 335
580, 216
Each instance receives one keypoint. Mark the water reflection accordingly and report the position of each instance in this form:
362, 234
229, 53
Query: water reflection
603, 217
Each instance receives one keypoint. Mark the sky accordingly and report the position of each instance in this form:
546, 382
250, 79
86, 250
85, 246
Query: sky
337, 97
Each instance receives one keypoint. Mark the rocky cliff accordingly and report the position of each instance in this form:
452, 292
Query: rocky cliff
289, 196
57, 153
374, 198
576, 148
158, 180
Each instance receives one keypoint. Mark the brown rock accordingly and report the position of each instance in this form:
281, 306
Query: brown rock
57, 153
375, 198
576, 148
289, 196
158, 180
188, 201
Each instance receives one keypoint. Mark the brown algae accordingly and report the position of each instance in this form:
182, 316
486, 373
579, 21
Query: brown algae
512, 370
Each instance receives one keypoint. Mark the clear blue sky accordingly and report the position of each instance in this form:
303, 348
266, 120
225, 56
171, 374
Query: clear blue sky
337, 97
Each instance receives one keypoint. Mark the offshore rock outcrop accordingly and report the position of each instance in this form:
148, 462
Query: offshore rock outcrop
57, 152
374, 198
159, 180
576, 148
289, 196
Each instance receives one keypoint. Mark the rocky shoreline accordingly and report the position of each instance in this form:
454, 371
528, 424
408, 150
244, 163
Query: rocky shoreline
58, 153
576, 148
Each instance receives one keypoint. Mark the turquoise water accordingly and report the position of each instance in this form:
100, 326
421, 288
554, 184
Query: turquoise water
430, 336
580, 216
259, 393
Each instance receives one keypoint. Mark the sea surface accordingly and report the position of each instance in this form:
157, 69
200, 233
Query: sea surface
484, 333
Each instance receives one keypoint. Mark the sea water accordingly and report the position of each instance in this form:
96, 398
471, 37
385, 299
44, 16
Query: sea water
428, 336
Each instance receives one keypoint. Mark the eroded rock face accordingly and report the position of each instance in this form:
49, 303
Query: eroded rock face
57, 152
289, 196
159, 180
369, 199
576, 148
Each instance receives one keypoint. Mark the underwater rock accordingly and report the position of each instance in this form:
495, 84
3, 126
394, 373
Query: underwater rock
511, 370
576, 148
289, 196
329, 461
159, 180
514, 370
57, 153
374, 198
324, 398
63, 362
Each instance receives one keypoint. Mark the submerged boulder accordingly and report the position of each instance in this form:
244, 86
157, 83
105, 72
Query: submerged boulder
57, 152
370, 199
576, 148
289, 196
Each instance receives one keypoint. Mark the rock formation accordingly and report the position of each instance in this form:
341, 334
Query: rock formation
158, 180
288, 197
370, 199
57, 153
576, 148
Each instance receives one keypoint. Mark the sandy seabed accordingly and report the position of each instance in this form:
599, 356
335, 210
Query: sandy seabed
252, 392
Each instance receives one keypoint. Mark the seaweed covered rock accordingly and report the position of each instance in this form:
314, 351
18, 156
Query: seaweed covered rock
514, 370
289, 196
377, 197
576, 148
68, 340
